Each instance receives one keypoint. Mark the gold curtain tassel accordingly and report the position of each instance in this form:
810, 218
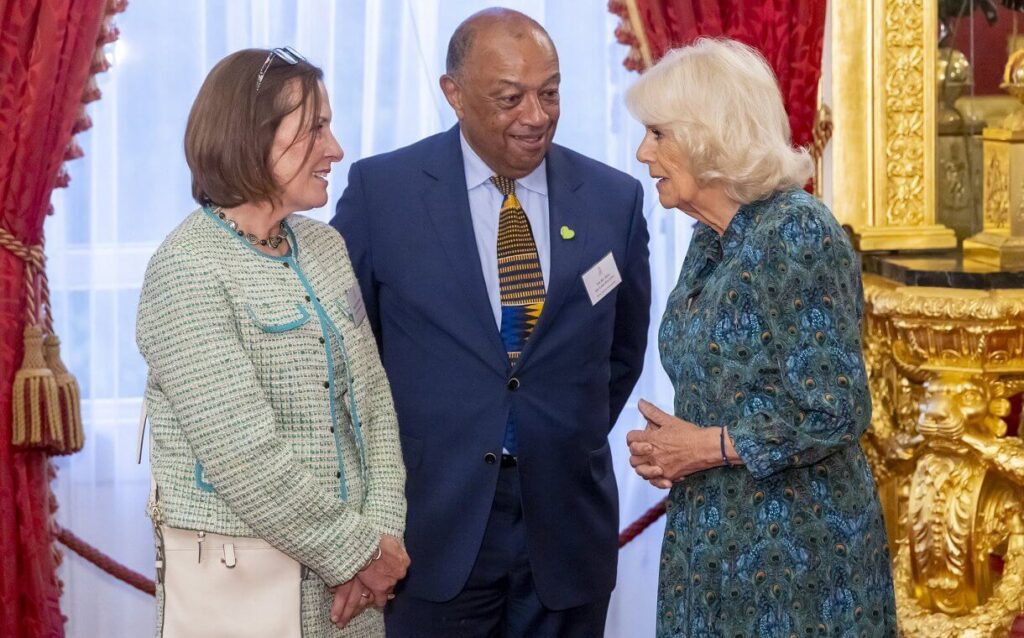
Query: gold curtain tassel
36, 420
68, 394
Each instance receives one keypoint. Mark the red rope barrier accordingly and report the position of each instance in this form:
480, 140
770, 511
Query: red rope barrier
104, 562
642, 523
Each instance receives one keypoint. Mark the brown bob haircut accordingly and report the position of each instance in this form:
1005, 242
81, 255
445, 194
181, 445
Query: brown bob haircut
231, 127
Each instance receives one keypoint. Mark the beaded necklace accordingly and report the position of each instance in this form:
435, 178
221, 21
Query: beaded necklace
273, 241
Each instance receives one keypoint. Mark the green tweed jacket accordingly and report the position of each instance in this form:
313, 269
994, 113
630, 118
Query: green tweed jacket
271, 414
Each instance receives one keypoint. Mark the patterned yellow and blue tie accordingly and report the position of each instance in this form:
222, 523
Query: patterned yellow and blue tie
519, 275
520, 280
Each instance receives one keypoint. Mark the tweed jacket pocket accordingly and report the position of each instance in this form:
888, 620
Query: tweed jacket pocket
277, 317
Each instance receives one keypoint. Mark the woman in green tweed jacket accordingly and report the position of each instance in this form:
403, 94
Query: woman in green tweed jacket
271, 414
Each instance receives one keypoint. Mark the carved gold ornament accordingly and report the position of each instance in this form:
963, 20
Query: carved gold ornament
942, 364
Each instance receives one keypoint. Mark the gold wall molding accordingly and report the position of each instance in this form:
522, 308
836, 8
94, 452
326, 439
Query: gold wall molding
905, 117
942, 364
883, 69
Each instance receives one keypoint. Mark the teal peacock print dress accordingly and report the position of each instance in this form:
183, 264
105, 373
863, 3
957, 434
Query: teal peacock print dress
762, 334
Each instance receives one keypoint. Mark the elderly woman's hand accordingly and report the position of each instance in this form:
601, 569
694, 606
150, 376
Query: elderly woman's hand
670, 449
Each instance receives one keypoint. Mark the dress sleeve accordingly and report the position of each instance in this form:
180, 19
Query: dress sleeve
810, 397
187, 333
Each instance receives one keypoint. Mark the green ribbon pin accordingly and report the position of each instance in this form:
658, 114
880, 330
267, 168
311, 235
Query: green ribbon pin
567, 233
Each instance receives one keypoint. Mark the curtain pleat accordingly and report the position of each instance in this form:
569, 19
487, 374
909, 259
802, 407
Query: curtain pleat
46, 47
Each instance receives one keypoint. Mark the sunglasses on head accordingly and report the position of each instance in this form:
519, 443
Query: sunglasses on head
287, 54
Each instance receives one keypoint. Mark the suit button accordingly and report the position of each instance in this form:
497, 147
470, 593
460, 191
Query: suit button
513, 384
490, 458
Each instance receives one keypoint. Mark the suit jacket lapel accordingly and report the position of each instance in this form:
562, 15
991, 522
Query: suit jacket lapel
447, 202
564, 209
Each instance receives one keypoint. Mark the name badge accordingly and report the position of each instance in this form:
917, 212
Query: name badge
356, 307
602, 278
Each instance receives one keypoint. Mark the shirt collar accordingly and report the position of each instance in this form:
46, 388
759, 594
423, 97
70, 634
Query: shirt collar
479, 173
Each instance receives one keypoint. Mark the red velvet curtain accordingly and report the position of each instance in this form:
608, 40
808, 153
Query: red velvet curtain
46, 53
789, 33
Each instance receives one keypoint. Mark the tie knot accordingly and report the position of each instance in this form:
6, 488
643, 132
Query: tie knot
505, 185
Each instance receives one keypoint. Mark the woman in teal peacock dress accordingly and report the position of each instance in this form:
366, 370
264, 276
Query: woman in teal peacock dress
774, 527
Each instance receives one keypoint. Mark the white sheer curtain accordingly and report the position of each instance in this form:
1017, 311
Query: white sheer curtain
381, 60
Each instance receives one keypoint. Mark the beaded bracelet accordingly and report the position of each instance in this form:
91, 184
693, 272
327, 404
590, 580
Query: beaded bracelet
721, 442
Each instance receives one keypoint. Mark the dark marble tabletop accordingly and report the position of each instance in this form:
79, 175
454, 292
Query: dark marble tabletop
946, 269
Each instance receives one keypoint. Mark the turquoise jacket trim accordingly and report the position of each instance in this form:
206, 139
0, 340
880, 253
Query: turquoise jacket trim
200, 481
280, 327
357, 427
328, 329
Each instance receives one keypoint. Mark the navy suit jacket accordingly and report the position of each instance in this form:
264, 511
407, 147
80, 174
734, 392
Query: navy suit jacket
406, 220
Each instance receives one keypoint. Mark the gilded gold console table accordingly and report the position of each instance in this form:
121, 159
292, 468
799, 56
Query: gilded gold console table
944, 347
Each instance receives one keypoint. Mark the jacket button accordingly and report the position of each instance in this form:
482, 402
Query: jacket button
337, 474
332, 429
490, 458
307, 297
327, 384
513, 384
322, 340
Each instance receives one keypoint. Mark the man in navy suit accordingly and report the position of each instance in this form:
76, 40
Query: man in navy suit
507, 281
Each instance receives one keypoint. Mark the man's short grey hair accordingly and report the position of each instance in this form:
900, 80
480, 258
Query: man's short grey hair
458, 47
719, 101
462, 40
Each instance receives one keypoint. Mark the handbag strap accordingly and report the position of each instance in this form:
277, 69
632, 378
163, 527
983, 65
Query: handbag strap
152, 504
142, 433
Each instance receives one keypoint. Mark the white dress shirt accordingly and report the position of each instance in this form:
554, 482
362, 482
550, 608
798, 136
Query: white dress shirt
485, 206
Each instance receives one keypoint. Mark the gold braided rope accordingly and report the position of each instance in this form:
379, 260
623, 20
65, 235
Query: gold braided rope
46, 399
35, 262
